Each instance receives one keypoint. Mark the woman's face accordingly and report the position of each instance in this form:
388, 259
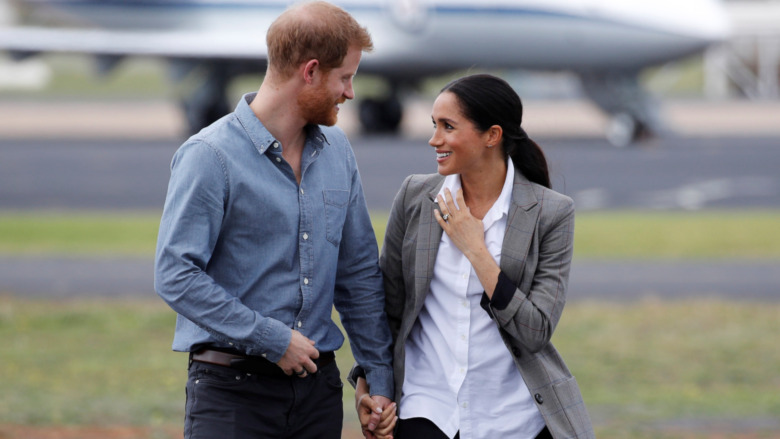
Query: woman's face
460, 147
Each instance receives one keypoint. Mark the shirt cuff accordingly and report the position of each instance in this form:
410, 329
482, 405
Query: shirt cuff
380, 382
503, 293
275, 341
354, 374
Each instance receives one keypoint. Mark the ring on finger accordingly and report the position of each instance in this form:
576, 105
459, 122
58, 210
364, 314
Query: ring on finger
445, 217
301, 372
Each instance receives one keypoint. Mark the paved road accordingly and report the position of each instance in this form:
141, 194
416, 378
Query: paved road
674, 173
604, 280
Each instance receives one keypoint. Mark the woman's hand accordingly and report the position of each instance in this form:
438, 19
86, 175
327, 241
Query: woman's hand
468, 234
377, 414
466, 231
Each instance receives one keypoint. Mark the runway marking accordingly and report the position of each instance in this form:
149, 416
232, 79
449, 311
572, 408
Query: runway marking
698, 195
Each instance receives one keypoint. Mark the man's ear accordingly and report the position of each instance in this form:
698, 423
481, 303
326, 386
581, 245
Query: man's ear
310, 70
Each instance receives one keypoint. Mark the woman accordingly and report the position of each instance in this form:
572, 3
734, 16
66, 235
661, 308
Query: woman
476, 261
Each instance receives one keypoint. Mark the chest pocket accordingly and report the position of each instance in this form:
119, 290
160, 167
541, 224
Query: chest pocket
335, 212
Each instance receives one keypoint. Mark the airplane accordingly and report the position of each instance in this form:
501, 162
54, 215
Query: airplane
606, 43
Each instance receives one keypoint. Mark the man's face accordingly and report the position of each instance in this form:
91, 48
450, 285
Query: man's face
319, 103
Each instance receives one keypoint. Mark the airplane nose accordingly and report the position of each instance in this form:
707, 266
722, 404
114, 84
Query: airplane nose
679, 27
704, 20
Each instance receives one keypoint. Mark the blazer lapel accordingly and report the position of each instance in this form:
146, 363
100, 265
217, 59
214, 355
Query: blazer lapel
520, 228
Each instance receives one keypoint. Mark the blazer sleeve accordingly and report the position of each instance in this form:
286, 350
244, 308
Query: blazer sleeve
530, 316
390, 261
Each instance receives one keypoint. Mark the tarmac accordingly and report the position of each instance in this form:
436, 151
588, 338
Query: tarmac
158, 119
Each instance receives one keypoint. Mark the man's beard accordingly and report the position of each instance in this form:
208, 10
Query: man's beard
317, 106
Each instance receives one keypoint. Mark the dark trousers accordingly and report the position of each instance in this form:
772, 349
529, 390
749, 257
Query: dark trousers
422, 428
226, 403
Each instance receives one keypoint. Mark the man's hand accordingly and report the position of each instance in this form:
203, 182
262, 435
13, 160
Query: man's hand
377, 414
297, 359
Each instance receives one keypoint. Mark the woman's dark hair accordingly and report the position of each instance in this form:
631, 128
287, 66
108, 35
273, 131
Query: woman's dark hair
487, 100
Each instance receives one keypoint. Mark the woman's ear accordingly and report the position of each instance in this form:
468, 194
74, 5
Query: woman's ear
495, 134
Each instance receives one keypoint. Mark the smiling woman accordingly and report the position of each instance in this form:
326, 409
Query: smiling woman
491, 195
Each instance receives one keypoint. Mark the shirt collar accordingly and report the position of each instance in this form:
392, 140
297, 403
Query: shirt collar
500, 207
261, 137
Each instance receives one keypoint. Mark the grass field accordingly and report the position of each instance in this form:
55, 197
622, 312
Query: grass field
647, 370
617, 235
652, 369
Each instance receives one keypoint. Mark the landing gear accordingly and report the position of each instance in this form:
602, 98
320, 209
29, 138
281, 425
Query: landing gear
633, 113
207, 102
201, 114
380, 115
623, 130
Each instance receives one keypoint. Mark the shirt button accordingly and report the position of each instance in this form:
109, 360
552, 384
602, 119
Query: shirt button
465, 405
301, 191
462, 337
275, 145
300, 323
305, 236
264, 355
306, 281
464, 276
278, 159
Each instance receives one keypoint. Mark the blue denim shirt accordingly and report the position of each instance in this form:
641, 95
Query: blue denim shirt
245, 253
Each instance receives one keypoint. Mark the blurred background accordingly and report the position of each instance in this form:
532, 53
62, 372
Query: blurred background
672, 322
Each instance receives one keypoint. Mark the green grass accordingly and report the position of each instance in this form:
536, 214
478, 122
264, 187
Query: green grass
619, 234
643, 367
653, 234
78, 76
83, 233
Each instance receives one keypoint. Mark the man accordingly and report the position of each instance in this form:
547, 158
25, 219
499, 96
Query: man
265, 229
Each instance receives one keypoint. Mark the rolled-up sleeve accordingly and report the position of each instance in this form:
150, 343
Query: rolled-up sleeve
189, 230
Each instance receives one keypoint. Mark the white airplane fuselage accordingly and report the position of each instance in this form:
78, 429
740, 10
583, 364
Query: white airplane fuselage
444, 35
604, 41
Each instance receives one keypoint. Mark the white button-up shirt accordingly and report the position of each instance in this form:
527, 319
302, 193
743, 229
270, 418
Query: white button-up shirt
459, 373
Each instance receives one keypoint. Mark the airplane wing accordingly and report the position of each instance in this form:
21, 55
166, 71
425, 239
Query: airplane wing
173, 44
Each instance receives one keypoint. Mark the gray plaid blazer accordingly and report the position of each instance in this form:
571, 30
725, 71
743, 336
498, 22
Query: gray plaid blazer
536, 256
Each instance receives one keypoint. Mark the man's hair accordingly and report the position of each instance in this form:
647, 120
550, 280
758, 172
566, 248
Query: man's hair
313, 30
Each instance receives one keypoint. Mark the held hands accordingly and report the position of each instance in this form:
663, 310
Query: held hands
465, 231
297, 359
376, 413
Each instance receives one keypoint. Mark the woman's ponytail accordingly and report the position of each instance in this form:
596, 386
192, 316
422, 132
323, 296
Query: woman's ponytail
528, 157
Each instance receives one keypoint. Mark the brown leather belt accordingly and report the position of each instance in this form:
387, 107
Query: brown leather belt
251, 363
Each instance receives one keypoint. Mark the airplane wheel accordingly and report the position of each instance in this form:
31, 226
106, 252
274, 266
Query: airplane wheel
380, 116
623, 130
200, 115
